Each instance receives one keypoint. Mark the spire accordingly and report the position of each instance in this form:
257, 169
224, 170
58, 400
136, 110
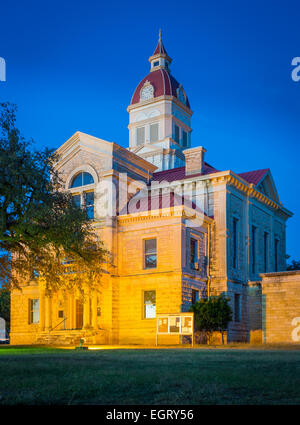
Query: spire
160, 56
160, 48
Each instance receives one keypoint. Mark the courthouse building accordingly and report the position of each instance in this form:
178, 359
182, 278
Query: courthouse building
178, 228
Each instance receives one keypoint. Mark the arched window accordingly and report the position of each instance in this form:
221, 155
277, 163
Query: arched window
82, 179
83, 198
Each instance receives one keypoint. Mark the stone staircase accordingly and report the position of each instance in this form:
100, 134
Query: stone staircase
67, 337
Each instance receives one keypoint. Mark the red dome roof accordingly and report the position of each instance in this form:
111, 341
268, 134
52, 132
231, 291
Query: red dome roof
163, 83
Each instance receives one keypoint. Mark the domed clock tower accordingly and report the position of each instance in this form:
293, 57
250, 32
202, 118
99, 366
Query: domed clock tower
160, 115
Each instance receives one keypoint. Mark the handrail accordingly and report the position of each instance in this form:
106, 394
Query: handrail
52, 329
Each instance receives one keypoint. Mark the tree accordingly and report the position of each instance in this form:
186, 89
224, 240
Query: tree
212, 315
295, 265
41, 230
5, 306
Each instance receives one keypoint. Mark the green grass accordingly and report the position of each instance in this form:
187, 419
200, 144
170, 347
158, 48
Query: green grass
139, 376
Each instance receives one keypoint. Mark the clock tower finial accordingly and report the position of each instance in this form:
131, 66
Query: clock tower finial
160, 58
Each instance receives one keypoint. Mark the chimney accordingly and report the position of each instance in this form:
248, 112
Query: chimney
194, 160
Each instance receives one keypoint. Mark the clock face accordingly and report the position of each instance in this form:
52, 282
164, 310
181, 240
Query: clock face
146, 92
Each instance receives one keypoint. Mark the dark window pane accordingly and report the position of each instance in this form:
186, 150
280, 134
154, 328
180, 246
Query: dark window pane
276, 254
195, 296
253, 249
89, 204
90, 212
76, 200
87, 179
150, 261
237, 307
235, 241
82, 179
266, 236
193, 251
184, 139
176, 133
150, 246
77, 181
89, 198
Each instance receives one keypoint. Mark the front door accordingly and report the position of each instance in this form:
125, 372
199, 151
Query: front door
79, 314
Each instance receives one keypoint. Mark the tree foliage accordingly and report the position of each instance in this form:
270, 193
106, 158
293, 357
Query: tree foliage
5, 306
42, 233
295, 265
212, 315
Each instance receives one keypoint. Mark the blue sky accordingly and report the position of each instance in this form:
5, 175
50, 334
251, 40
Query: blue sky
74, 66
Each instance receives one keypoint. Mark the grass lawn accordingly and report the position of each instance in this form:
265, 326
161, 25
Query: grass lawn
147, 376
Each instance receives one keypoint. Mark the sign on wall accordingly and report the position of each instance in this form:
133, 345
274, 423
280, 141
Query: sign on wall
175, 324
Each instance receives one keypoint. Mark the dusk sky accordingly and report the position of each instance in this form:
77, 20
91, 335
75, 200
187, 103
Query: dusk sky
74, 66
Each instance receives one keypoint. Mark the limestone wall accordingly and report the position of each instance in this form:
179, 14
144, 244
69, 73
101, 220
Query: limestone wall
281, 307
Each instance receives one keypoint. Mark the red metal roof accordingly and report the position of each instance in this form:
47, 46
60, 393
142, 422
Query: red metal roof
179, 173
160, 48
254, 177
163, 83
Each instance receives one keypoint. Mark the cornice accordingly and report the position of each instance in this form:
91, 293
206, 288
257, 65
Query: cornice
159, 99
175, 212
157, 119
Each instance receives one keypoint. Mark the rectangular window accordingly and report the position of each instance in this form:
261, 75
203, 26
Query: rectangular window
149, 304
266, 246
237, 307
153, 132
184, 139
235, 243
276, 254
150, 254
193, 252
34, 311
253, 249
89, 204
195, 296
76, 200
177, 135
140, 135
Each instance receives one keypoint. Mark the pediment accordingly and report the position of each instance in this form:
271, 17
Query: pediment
267, 187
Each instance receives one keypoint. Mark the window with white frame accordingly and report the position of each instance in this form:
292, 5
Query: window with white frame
237, 307
140, 135
149, 304
235, 243
193, 253
176, 133
85, 198
150, 254
33, 311
184, 139
154, 132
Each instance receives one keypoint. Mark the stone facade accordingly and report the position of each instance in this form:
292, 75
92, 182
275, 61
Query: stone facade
217, 232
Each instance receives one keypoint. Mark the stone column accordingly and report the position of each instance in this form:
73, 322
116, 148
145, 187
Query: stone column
42, 310
47, 313
86, 311
71, 311
94, 311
